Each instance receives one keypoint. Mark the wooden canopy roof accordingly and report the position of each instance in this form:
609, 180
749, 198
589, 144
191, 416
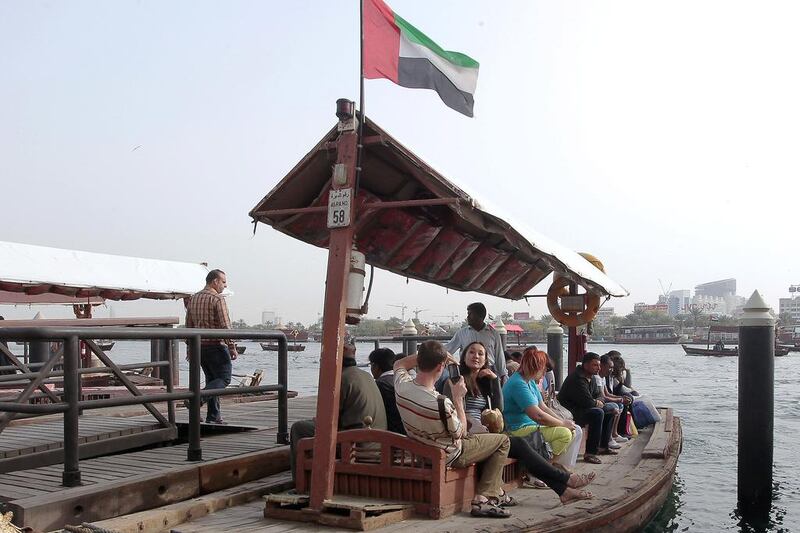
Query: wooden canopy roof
457, 244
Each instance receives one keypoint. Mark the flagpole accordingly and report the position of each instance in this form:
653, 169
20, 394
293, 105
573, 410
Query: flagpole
361, 99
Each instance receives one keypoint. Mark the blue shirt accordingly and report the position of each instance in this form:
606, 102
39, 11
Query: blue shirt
518, 395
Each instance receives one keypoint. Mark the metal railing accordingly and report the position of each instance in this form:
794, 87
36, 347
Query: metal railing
71, 405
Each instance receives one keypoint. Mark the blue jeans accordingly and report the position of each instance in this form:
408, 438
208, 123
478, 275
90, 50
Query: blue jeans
216, 364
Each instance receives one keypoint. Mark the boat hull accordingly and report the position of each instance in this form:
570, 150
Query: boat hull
646, 341
290, 347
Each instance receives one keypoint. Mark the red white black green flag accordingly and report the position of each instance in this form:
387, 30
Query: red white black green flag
396, 50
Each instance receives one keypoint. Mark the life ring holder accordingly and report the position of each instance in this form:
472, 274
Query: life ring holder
560, 287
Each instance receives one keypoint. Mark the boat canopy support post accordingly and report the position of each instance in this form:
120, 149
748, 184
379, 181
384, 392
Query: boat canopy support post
340, 246
756, 408
555, 350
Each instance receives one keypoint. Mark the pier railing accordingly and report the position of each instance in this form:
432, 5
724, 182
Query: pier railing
71, 404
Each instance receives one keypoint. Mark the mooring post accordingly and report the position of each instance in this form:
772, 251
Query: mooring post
756, 406
555, 348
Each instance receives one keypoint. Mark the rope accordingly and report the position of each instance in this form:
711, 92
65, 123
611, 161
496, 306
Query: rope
88, 528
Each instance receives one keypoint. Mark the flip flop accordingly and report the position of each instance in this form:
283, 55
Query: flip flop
577, 496
488, 509
608, 451
593, 459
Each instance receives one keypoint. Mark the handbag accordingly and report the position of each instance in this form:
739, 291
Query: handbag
535, 440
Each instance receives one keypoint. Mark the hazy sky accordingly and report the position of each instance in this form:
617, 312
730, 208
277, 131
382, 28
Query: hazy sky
661, 137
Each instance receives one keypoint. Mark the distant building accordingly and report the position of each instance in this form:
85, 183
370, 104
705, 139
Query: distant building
721, 288
653, 308
678, 302
717, 297
604, 316
709, 305
790, 306
267, 317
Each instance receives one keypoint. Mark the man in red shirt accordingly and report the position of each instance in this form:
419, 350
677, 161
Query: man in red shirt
207, 310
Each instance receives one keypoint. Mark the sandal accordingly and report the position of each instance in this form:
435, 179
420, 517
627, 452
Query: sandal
575, 495
608, 451
506, 500
591, 458
488, 509
583, 480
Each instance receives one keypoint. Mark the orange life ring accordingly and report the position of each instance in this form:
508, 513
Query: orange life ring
560, 288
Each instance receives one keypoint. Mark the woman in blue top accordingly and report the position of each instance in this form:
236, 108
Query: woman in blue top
483, 392
525, 411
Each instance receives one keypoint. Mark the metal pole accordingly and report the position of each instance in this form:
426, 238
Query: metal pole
555, 349
283, 395
71, 477
756, 407
168, 381
195, 452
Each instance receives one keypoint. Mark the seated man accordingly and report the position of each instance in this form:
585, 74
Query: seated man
618, 405
580, 394
433, 419
359, 397
381, 363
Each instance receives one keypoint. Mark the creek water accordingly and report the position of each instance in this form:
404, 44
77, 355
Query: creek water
701, 390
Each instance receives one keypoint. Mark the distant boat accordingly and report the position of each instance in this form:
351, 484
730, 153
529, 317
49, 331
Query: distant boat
240, 349
104, 345
270, 347
646, 335
714, 352
780, 351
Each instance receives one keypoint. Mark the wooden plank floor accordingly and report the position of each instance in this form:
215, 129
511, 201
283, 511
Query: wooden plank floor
48, 435
620, 479
21, 488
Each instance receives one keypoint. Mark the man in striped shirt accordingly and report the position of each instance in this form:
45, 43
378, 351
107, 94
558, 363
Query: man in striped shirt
207, 310
435, 420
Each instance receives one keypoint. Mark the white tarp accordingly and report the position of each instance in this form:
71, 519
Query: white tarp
43, 269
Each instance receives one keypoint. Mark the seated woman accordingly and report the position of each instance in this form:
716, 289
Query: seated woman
483, 392
525, 411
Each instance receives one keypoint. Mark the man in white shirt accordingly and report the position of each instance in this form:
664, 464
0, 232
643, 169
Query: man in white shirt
478, 331
433, 419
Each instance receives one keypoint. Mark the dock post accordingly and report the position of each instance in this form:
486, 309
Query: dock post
756, 407
194, 452
555, 349
283, 394
71, 477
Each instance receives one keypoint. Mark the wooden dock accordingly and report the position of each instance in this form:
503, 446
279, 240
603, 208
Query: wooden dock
628, 490
129, 482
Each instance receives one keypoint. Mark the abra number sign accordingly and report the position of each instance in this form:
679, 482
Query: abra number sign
339, 208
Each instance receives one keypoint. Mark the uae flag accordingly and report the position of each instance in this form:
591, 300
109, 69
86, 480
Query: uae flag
396, 50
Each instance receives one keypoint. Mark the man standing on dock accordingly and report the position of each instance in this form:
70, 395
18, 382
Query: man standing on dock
207, 310
477, 330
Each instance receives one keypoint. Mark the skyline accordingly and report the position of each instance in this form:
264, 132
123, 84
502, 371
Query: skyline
658, 138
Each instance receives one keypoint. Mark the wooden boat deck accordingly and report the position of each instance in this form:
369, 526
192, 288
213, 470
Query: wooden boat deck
629, 488
135, 481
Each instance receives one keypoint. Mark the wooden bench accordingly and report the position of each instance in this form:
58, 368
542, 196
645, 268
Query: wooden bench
380, 464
